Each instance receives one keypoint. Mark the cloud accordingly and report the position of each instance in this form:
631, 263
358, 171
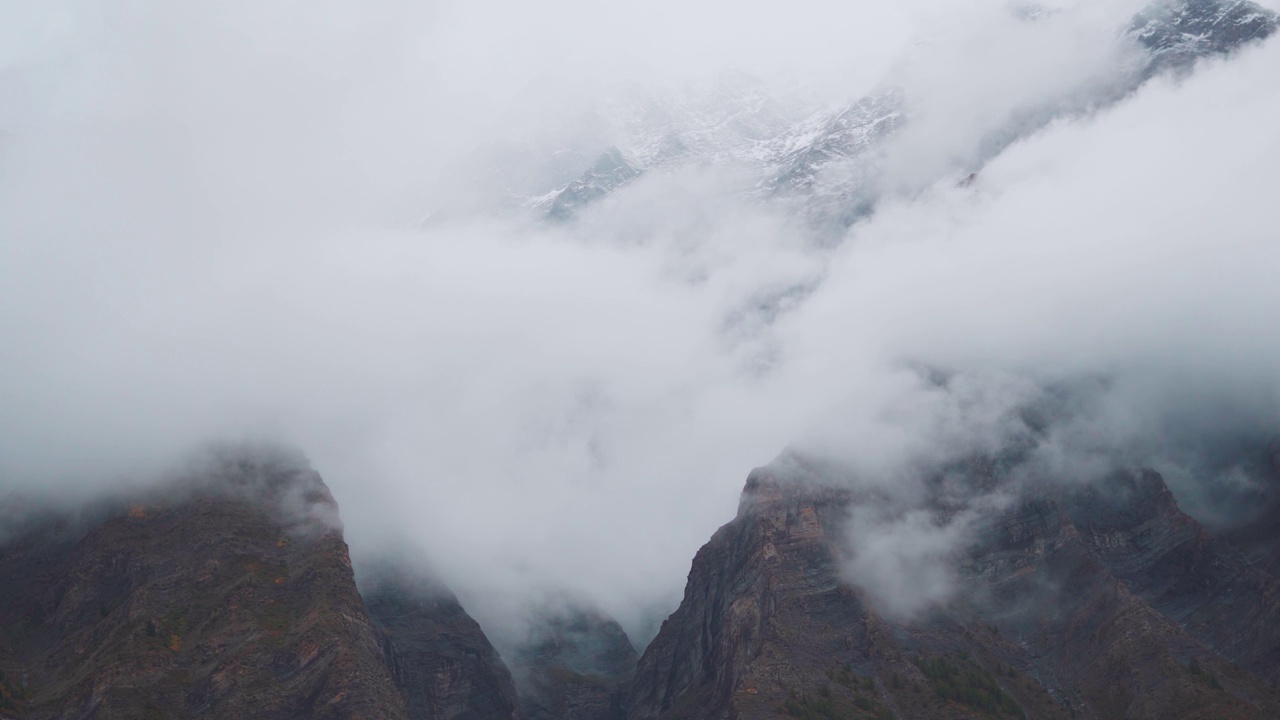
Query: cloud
907, 563
1116, 266
209, 223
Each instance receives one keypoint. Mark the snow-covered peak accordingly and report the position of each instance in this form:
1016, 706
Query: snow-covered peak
1177, 32
829, 163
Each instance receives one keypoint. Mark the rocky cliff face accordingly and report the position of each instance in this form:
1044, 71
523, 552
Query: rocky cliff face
610, 172
1070, 604
439, 658
1133, 526
576, 665
1080, 604
228, 595
231, 597
764, 614
1179, 32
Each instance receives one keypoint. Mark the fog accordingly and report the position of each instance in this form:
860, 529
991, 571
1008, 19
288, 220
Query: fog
211, 227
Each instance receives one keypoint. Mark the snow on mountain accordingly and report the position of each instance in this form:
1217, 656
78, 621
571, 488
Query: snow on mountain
1177, 33
736, 120
828, 164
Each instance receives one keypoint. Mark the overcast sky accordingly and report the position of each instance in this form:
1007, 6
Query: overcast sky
209, 230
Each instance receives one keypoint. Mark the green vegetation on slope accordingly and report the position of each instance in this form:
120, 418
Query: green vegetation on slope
962, 681
864, 704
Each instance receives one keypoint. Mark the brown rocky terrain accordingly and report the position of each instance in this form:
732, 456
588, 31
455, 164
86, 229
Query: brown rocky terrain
227, 595
439, 658
1133, 526
576, 665
231, 594
1083, 603
232, 599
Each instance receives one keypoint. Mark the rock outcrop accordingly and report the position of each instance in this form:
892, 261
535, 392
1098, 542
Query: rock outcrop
229, 597
610, 172
232, 595
441, 661
1133, 526
830, 166
228, 594
576, 665
1177, 33
1069, 603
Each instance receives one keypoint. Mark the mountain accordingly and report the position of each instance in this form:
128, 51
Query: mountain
735, 120
1097, 602
231, 594
227, 594
1179, 32
835, 175
830, 172
439, 658
829, 165
610, 172
233, 599
577, 664
1259, 536
1133, 526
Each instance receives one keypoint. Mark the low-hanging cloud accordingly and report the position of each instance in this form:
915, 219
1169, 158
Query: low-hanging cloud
209, 227
1129, 254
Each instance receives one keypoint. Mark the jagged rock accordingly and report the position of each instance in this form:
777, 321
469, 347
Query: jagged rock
441, 661
1070, 604
1179, 32
1102, 649
834, 173
829, 166
576, 665
610, 172
1133, 525
231, 596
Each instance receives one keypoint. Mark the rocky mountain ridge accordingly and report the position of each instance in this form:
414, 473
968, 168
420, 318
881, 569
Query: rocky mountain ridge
157, 610
828, 166
236, 598
227, 594
1100, 602
440, 660
576, 664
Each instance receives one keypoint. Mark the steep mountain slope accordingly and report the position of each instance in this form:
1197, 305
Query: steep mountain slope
576, 665
732, 121
1259, 537
829, 167
1179, 32
825, 170
229, 594
1133, 525
232, 597
1098, 642
610, 172
439, 658
1056, 618
836, 176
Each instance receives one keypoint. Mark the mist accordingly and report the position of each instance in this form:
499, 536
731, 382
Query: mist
211, 228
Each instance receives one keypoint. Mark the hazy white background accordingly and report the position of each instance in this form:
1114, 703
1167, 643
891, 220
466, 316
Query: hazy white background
209, 228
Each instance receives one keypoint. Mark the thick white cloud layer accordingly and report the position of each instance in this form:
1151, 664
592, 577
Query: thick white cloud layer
208, 229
